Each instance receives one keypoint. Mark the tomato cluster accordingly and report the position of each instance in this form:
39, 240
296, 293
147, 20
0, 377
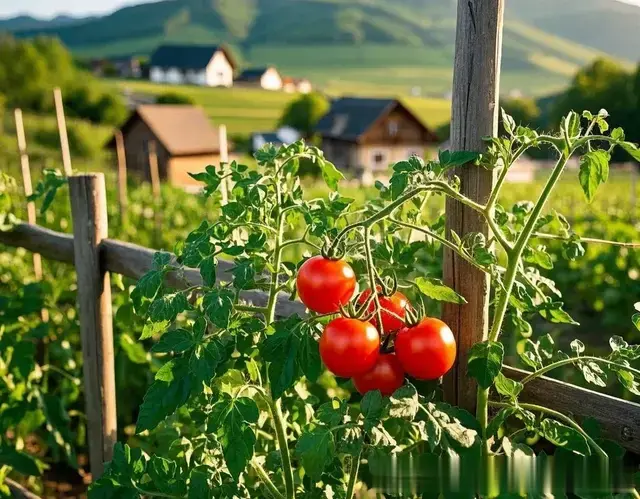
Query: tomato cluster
351, 347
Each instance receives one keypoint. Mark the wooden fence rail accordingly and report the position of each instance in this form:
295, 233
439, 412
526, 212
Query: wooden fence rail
620, 419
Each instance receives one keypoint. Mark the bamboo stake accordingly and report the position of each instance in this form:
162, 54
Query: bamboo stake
28, 190
122, 177
62, 129
155, 189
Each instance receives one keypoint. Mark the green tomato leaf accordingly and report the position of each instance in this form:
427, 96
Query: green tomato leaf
564, 436
628, 380
167, 307
330, 174
507, 387
485, 362
593, 373
499, 420
199, 484
459, 427
631, 148
204, 361
218, 305
19, 461
208, 271
316, 450
177, 341
594, 170
404, 402
372, 407
146, 290
151, 329
134, 350
308, 357
169, 391
434, 289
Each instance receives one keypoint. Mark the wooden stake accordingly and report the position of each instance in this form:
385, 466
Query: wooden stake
224, 158
474, 115
62, 129
28, 190
89, 213
155, 188
122, 176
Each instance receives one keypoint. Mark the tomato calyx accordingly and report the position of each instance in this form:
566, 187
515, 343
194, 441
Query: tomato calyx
356, 309
388, 284
332, 251
414, 315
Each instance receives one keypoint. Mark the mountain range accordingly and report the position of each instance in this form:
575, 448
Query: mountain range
543, 36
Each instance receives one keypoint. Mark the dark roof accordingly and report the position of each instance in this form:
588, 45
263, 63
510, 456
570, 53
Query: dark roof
182, 129
187, 56
351, 117
253, 74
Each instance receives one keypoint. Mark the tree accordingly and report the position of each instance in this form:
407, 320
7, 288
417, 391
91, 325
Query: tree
304, 113
604, 84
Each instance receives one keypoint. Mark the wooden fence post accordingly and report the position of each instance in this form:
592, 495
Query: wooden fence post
62, 130
155, 189
89, 213
476, 80
122, 176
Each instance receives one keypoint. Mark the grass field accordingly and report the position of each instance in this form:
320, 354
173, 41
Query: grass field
247, 110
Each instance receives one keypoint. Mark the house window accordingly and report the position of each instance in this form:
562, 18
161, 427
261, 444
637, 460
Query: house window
379, 160
393, 128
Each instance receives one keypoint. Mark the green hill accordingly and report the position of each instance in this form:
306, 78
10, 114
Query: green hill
362, 45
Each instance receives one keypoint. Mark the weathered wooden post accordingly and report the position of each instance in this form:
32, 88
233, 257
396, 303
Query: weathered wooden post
475, 109
89, 213
62, 130
122, 176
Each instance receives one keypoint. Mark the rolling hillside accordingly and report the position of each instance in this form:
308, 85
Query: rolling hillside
367, 45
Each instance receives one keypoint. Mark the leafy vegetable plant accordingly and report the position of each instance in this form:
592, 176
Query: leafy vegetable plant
243, 407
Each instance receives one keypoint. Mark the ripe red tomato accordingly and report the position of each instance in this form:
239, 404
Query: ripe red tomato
349, 347
324, 284
387, 376
427, 350
396, 303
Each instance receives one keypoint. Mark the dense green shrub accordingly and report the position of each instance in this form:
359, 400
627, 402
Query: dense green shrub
174, 98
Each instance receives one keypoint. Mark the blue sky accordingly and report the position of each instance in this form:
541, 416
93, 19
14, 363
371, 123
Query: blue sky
49, 8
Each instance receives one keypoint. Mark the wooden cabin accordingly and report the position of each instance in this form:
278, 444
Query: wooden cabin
368, 135
185, 142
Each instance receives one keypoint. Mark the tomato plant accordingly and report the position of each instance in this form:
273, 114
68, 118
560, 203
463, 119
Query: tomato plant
242, 405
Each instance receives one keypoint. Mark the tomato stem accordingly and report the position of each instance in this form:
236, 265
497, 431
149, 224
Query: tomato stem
353, 476
372, 276
573, 360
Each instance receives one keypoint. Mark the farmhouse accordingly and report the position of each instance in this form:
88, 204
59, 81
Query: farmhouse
211, 66
185, 141
367, 135
291, 85
267, 78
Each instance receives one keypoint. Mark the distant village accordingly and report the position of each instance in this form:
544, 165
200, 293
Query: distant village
361, 136
205, 65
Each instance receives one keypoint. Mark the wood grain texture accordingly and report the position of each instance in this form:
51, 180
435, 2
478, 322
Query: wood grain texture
620, 419
89, 213
50, 244
474, 115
